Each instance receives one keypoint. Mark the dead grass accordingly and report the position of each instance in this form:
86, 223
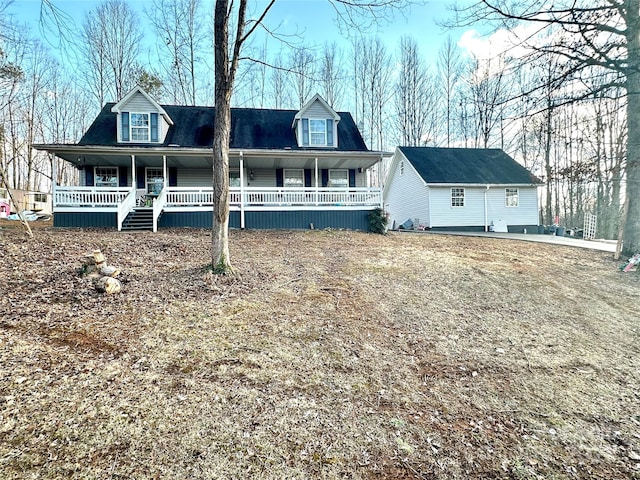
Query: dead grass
337, 355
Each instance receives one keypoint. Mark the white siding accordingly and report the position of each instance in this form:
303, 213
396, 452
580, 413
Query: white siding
406, 196
163, 128
262, 178
444, 215
473, 213
526, 213
203, 177
317, 110
138, 104
195, 177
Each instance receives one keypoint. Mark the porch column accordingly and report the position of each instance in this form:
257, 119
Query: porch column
241, 190
380, 186
54, 177
164, 172
316, 181
134, 180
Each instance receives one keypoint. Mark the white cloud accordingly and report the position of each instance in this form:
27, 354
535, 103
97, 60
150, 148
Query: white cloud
484, 47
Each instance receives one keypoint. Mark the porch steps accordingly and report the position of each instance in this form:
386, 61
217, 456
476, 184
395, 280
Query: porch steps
139, 219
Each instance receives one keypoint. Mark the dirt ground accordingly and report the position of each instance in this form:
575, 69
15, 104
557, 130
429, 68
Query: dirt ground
335, 355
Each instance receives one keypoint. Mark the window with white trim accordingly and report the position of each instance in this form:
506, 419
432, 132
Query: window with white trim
293, 177
511, 197
106, 176
139, 127
317, 132
457, 197
234, 178
155, 180
338, 178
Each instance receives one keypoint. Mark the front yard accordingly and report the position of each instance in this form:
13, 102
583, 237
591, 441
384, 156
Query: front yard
337, 355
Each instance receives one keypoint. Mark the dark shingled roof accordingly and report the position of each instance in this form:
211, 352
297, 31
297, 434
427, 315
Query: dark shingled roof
251, 128
467, 165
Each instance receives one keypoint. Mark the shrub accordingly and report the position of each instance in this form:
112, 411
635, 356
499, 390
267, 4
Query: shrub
377, 221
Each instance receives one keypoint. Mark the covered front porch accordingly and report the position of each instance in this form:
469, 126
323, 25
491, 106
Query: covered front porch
267, 189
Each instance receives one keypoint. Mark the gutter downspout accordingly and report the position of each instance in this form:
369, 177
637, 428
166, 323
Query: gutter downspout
486, 220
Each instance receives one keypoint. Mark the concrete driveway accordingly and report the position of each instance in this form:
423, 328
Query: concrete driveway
603, 245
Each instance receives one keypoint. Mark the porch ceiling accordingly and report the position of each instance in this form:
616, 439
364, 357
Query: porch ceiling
198, 158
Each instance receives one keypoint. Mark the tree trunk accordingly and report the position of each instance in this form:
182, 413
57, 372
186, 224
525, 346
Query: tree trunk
632, 224
224, 76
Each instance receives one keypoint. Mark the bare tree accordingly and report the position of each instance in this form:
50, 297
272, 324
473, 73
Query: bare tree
303, 71
227, 48
594, 39
449, 72
414, 97
278, 83
112, 37
181, 36
331, 74
372, 72
489, 94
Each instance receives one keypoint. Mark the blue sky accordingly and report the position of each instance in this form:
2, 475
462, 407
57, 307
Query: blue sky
316, 18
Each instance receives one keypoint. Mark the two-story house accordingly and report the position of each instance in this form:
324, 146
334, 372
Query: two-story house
143, 165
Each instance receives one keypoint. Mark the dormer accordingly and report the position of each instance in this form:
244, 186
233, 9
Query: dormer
140, 118
316, 124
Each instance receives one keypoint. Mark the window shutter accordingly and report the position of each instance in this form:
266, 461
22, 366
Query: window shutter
352, 177
88, 176
279, 177
329, 132
173, 176
140, 177
124, 122
122, 176
154, 127
305, 131
325, 176
307, 177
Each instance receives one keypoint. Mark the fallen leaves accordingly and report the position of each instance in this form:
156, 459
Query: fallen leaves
335, 354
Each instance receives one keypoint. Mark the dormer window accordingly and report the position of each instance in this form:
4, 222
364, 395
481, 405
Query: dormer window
317, 132
140, 118
139, 127
316, 124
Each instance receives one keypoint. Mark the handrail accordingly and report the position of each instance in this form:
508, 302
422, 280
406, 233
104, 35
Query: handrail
158, 205
277, 196
125, 206
89, 196
122, 198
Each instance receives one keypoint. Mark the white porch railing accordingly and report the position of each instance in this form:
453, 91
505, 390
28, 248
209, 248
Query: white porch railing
126, 206
276, 196
189, 196
89, 196
158, 205
175, 197
311, 196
